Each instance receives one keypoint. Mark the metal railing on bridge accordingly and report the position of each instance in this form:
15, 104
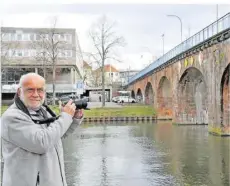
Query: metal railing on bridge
213, 29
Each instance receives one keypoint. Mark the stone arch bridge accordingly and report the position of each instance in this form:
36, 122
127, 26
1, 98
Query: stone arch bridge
191, 83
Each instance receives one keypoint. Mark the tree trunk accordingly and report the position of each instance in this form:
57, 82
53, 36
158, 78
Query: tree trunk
103, 83
44, 75
44, 72
54, 78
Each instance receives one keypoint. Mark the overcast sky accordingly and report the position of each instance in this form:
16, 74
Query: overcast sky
140, 24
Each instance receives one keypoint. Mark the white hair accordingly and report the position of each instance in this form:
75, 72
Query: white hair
25, 76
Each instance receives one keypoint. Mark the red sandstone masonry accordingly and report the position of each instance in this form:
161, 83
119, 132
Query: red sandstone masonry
205, 70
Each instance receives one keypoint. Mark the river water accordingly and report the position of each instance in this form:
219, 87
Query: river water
146, 154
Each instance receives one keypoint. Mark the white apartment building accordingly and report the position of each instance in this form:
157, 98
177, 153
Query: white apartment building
33, 50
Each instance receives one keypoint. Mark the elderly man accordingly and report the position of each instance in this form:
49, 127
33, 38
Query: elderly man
31, 137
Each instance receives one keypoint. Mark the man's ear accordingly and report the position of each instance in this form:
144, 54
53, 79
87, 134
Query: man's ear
19, 92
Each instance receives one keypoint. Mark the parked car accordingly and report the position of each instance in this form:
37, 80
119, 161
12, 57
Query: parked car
85, 98
49, 100
73, 97
126, 99
66, 98
115, 99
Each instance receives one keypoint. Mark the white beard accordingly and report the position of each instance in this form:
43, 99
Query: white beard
23, 99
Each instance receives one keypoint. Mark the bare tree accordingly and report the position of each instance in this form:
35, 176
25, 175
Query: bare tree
91, 77
49, 46
5, 48
97, 74
105, 41
41, 54
8, 48
87, 71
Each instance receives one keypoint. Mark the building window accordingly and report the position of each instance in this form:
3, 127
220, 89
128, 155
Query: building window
38, 37
3, 53
56, 37
13, 37
6, 37
62, 37
38, 53
18, 53
32, 37
61, 53
33, 53
19, 37
26, 53
46, 36
12, 53
26, 37
68, 38
68, 53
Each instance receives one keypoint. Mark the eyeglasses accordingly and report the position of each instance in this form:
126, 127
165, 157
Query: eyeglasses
32, 90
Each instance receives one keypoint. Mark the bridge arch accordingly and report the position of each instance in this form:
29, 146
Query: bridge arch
149, 94
139, 95
164, 98
225, 98
192, 98
133, 94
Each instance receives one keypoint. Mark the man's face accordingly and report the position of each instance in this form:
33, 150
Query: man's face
32, 93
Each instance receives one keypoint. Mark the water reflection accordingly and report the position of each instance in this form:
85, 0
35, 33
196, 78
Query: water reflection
145, 154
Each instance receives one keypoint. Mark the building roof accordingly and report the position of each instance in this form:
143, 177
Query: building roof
107, 68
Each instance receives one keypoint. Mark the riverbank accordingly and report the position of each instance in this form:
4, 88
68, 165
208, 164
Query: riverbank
121, 113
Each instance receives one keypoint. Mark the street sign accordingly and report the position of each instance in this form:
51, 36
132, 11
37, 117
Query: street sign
79, 87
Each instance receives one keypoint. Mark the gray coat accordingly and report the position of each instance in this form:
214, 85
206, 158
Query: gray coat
32, 153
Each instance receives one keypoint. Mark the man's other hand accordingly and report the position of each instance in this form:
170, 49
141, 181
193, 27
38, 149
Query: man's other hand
78, 114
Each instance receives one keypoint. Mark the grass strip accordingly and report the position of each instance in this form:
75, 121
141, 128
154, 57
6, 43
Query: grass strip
128, 111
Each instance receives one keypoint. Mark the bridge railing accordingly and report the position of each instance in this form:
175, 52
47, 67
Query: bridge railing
218, 26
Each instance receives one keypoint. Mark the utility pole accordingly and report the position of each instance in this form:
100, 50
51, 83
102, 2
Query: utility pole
163, 42
217, 17
128, 73
180, 24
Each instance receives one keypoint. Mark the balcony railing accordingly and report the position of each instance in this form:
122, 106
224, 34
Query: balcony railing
213, 29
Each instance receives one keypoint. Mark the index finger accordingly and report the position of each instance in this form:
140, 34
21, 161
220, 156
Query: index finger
69, 102
60, 104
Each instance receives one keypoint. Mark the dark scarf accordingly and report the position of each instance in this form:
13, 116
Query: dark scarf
47, 120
